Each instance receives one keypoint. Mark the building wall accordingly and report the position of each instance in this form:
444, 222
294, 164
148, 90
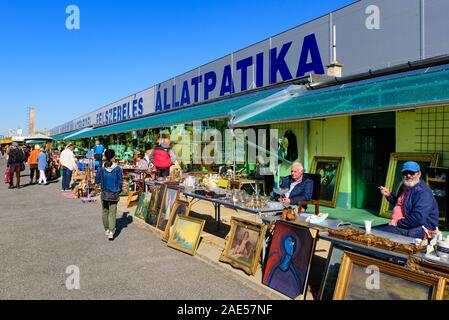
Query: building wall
332, 137
298, 130
424, 130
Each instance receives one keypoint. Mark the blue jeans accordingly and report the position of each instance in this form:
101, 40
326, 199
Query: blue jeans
66, 178
412, 233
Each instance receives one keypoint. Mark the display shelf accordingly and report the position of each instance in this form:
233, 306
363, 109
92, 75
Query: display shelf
436, 180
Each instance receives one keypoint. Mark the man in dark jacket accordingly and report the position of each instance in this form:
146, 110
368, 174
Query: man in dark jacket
415, 212
299, 187
15, 161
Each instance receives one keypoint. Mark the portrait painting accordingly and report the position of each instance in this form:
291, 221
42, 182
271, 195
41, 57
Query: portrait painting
330, 169
170, 197
144, 205
244, 245
391, 282
156, 203
289, 258
180, 208
186, 234
394, 176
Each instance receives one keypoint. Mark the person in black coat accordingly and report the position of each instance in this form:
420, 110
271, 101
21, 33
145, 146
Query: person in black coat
15, 161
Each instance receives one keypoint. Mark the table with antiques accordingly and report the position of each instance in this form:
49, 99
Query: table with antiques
255, 184
251, 205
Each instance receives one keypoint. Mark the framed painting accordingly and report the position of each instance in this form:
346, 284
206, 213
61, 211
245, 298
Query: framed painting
143, 206
394, 177
180, 208
157, 200
330, 169
365, 278
133, 198
244, 245
186, 234
171, 196
327, 287
289, 258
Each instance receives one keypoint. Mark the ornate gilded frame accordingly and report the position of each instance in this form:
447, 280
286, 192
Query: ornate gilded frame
172, 242
349, 259
227, 257
340, 160
178, 202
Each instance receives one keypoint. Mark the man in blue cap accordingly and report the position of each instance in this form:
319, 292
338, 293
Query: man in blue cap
415, 211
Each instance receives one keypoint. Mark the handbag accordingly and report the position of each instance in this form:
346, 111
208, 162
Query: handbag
22, 167
7, 176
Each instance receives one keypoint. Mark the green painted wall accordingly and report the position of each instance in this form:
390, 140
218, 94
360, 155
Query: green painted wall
424, 130
332, 137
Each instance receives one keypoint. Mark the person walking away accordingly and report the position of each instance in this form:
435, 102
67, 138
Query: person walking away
32, 162
110, 176
16, 158
42, 165
68, 165
98, 152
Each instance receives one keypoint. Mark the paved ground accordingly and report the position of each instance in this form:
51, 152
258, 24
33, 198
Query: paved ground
42, 233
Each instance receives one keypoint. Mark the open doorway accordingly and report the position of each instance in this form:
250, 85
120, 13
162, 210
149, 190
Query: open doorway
374, 139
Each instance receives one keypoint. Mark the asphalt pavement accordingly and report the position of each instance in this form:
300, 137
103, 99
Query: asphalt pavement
45, 239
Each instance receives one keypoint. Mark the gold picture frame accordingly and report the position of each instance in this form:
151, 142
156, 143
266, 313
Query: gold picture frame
179, 205
186, 234
244, 245
394, 178
395, 281
171, 195
330, 169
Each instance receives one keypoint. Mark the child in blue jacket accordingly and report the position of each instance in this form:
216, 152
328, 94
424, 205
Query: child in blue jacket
111, 178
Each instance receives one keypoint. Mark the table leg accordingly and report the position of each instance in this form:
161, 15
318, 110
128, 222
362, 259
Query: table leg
217, 215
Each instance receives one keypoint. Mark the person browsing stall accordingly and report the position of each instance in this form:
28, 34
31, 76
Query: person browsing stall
415, 212
68, 164
33, 163
163, 157
299, 187
98, 152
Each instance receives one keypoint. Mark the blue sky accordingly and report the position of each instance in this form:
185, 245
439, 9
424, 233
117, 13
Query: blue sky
121, 48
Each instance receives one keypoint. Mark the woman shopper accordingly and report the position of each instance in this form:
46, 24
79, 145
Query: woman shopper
42, 165
110, 176
15, 161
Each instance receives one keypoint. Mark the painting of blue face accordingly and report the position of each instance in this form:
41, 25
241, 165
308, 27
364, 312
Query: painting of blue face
289, 259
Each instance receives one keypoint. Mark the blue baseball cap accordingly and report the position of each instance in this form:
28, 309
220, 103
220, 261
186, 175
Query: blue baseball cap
410, 166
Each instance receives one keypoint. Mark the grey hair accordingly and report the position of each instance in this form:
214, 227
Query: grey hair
298, 164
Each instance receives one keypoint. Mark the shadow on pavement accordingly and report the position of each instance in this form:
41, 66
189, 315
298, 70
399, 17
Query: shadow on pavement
122, 223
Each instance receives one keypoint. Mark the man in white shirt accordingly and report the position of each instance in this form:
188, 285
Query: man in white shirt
68, 165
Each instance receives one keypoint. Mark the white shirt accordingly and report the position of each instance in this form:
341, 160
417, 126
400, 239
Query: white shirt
292, 186
67, 159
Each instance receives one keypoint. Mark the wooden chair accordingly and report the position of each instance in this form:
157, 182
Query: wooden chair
316, 178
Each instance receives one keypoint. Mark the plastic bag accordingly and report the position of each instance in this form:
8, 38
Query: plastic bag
7, 177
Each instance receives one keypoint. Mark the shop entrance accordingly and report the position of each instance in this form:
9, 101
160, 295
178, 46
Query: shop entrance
373, 139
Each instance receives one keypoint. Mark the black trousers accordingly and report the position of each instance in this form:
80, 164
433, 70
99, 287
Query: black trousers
34, 172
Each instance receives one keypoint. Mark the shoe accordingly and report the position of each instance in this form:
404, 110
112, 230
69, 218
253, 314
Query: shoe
111, 236
11, 187
107, 233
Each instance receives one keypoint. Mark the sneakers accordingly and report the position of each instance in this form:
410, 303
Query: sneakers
107, 233
111, 235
